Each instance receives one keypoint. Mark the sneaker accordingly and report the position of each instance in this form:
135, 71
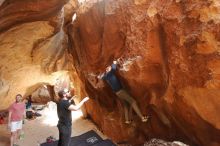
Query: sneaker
127, 122
144, 119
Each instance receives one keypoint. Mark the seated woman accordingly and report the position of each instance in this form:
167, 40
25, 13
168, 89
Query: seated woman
30, 113
29, 103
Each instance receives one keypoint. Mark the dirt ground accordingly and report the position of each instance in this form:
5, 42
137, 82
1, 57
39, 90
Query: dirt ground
36, 131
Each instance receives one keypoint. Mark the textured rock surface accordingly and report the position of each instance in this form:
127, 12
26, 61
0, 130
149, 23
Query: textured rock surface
170, 48
15, 12
169, 54
33, 47
158, 142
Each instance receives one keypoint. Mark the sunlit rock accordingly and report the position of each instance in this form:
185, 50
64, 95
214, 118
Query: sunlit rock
168, 53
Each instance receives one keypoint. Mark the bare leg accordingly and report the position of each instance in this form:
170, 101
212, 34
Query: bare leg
18, 134
125, 104
13, 137
123, 94
126, 113
136, 109
130, 112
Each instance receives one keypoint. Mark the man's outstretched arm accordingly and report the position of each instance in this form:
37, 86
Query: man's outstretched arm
76, 107
101, 76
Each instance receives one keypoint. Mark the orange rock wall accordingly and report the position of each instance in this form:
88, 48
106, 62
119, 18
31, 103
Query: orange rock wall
169, 53
33, 46
168, 49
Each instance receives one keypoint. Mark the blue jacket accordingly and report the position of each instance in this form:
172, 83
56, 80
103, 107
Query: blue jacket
112, 80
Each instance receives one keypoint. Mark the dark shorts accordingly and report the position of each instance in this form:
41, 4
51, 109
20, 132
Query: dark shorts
123, 95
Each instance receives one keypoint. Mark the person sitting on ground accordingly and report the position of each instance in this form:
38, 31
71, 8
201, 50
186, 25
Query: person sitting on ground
121, 93
30, 112
15, 118
64, 108
29, 102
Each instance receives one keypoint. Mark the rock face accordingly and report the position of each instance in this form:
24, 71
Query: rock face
169, 52
33, 46
169, 60
159, 142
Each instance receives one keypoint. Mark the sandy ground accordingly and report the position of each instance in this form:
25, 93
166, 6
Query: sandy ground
37, 130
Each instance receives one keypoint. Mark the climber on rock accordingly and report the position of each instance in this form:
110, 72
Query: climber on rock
121, 93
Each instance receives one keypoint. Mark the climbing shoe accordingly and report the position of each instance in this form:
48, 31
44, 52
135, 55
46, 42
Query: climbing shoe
144, 119
127, 122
